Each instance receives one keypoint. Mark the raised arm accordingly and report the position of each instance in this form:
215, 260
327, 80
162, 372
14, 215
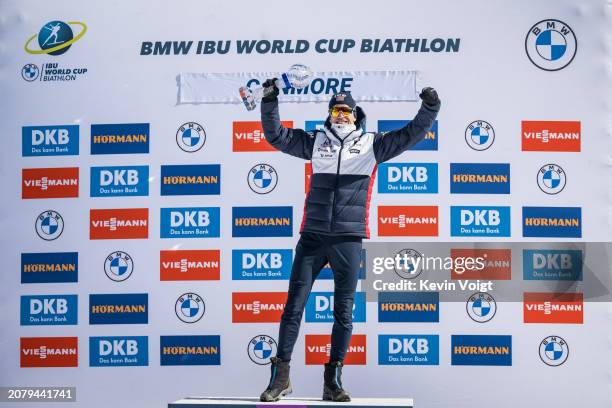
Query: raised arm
295, 142
390, 144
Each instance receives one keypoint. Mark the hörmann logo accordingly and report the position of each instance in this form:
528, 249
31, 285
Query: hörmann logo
403, 349
262, 221
190, 222
191, 179
126, 138
407, 220
320, 307
59, 182
189, 264
49, 267
249, 137
413, 178
127, 308
430, 142
557, 222
41, 310
261, 264
190, 350
408, 307
480, 178
551, 136
552, 264
542, 307
479, 350
318, 348
49, 352
118, 351
115, 181
258, 307
122, 223
50, 140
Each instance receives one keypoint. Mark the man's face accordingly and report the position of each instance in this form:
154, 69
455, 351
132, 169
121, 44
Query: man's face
342, 114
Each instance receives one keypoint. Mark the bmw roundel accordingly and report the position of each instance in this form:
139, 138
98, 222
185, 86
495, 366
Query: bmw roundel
189, 307
479, 135
49, 225
262, 178
118, 266
190, 137
554, 351
551, 45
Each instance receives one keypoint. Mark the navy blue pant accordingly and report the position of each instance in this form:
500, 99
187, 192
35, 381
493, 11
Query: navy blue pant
312, 252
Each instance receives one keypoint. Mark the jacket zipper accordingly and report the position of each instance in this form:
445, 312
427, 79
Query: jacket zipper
337, 177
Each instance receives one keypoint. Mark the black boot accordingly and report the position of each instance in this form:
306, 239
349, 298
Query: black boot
332, 387
280, 384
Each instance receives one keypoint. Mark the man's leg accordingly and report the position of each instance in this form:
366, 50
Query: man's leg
308, 261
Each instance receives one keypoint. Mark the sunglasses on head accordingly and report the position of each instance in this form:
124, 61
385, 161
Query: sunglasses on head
335, 111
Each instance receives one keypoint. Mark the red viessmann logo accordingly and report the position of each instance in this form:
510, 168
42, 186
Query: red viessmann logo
62, 182
550, 136
249, 137
49, 352
120, 223
396, 221
553, 307
318, 347
497, 263
184, 265
258, 307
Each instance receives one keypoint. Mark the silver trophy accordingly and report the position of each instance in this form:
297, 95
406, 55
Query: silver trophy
298, 76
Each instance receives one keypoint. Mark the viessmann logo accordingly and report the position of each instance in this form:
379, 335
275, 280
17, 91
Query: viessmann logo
191, 179
408, 221
318, 348
62, 182
551, 136
258, 307
542, 307
49, 267
497, 263
49, 352
125, 223
249, 137
184, 265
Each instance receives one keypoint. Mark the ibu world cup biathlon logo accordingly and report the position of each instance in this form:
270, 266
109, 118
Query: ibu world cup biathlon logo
551, 179
190, 137
189, 307
554, 351
261, 348
481, 307
55, 38
118, 266
551, 45
479, 135
262, 178
49, 225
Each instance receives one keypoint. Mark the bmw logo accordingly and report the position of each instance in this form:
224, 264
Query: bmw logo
551, 179
479, 135
190, 137
554, 351
551, 45
408, 266
118, 266
189, 307
30, 72
262, 178
49, 225
481, 307
261, 348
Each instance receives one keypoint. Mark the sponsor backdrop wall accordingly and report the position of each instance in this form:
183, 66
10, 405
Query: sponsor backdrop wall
132, 177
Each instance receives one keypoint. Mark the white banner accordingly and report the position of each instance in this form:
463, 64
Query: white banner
366, 86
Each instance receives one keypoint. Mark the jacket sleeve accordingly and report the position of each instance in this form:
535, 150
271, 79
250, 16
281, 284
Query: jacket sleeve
295, 142
390, 144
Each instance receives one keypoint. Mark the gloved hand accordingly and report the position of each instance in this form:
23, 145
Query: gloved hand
429, 96
274, 95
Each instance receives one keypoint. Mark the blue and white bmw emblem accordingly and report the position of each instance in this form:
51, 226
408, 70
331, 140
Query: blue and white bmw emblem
190, 137
554, 351
262, 178
479, 135
189, 307
49, 225
118, 266
261, 348
481, 307
30, 72
551, 179
551, 45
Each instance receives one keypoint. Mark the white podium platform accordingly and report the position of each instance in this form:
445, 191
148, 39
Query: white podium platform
235, 402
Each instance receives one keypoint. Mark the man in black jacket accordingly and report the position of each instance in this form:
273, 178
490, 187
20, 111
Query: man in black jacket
344, 159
